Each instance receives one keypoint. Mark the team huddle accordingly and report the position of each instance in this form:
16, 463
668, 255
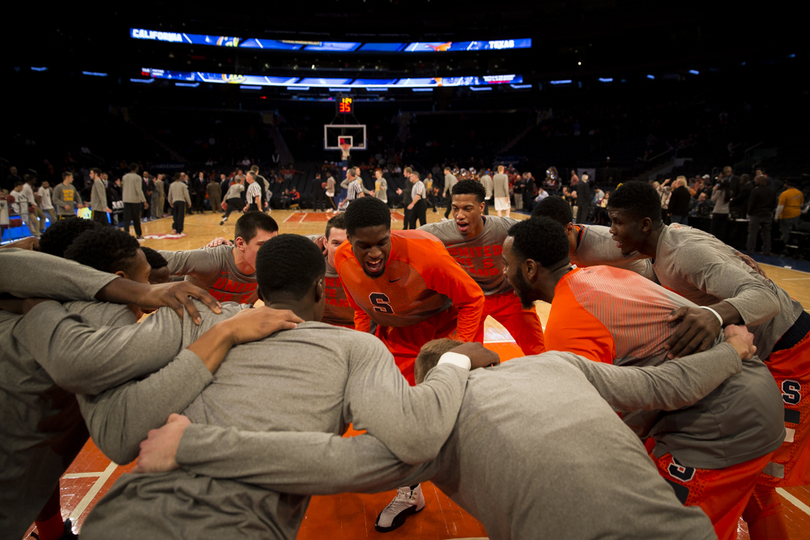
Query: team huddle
706, 360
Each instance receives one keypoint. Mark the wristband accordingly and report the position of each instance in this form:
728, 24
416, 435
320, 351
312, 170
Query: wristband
719, 318
459, 360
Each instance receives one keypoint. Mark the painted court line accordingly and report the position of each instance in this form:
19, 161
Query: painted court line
83, 475
794, 501
88, 498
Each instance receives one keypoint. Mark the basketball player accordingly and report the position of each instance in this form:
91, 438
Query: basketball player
98, 197
475, 241
337, 309
42, 431
315, 376
704, 270
535, 449
408, 284
590, 245
714, 452
227, 272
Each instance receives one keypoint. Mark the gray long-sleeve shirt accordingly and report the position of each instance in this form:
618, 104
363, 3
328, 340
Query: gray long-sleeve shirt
98, 197
40, 432
66, 195
358, 382
178, 192
215, 269
703, 269
535, 448
596, 247
132, 185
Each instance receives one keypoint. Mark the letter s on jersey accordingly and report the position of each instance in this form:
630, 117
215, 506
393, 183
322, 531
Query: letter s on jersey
791, 392
381, 302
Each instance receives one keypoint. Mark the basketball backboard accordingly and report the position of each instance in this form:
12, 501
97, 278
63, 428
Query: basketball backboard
354, 134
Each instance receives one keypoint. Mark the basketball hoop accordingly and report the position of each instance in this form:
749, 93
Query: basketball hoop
345, 149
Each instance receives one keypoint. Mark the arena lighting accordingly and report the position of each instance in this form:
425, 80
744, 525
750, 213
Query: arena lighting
521, 86
373, 84
651, 77
94, 73
604, 79
694, 72
339, 89
563, 81
298, 88
249, 87
422, 89
187, 84
791, 56
39, 68
328, 46
142, 81
481, 88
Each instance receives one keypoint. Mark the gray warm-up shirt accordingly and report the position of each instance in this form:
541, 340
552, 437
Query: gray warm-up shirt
215, 269
41, 431
501, 185
480, 256
98, 196
536, 448
703, 269
316, 377
596, 246
178, 192
66, 195
132, 188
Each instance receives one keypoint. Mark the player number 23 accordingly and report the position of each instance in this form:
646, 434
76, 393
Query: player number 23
381, 302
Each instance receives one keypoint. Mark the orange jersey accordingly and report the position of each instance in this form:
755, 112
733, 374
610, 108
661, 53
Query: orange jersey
420, 281
610, 315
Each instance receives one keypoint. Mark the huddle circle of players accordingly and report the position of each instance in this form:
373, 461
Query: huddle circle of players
721, 407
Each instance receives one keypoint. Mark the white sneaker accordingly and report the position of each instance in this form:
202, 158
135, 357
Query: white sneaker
408, 501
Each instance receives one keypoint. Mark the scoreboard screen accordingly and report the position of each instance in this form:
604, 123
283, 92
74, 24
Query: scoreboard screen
345, 105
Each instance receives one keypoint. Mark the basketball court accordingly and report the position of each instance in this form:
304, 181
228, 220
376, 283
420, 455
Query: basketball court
350, 516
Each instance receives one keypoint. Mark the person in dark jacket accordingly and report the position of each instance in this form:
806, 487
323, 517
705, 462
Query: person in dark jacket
761, 204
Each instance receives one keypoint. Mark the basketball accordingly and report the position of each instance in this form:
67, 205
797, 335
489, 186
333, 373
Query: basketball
323, 185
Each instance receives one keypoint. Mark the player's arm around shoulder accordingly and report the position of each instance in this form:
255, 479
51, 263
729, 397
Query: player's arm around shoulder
413, 421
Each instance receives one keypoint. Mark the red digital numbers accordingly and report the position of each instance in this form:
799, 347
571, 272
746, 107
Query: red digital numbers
345, 106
